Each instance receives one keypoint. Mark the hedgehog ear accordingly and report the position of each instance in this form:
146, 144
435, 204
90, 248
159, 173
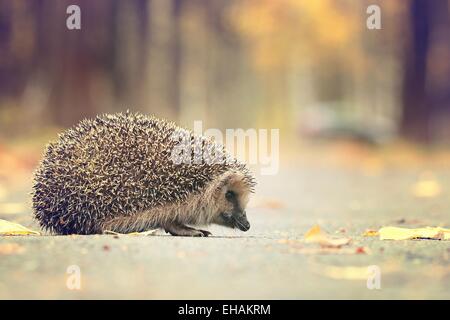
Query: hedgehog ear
226, 180
222, 182
219, 184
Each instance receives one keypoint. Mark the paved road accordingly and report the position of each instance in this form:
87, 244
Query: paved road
266, 262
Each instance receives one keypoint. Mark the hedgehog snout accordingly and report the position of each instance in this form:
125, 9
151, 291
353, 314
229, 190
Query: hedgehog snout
236, 220
241, 221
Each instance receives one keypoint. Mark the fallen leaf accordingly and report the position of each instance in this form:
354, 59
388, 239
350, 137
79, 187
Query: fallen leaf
11, 248
145, 233
109, 232
426, 187
396, 233
297, 247
362, 250
8, 228
317, 235
370, 233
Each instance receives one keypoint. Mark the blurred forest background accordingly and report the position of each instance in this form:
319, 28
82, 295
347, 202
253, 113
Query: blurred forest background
364, 119
310, 68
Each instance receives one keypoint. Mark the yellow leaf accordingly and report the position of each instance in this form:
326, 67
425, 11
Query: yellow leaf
145, 233
8, 228
313, 232
426, 188
370, 233
396, 233
316, 235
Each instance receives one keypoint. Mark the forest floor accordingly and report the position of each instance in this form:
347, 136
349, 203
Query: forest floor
271, 260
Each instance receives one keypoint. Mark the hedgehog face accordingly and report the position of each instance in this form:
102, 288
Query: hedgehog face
232, 201
234, 216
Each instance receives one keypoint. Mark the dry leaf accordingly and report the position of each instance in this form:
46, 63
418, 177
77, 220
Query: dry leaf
11, 248
296, 246
109, 232
396, 233
426, 188
145, 233
317, 235
362, 250
370, 233
8, 228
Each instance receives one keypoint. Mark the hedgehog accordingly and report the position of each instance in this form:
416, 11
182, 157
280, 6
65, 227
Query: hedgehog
129, 172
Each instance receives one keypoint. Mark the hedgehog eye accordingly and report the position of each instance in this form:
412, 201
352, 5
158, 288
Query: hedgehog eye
230, 195
226, 215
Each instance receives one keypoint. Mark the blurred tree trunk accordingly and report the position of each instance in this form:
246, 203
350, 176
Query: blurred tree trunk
161, 74
426, 92
129, 31
75, 62
193, 71
416, 113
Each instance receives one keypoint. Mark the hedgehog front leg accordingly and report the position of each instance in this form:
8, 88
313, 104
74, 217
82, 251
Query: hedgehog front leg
205, 233
182, 230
